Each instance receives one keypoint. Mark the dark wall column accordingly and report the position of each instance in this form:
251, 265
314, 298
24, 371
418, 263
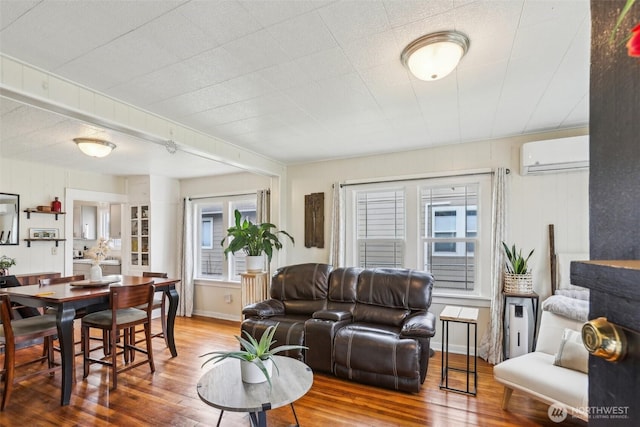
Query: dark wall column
614, 204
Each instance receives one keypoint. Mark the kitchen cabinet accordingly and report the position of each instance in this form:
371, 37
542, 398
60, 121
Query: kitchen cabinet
139, 256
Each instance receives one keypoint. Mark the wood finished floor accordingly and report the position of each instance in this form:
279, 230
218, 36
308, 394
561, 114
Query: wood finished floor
169, 398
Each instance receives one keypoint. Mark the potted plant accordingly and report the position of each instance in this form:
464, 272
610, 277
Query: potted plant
254, 240
256, 357
5, 263
517, 277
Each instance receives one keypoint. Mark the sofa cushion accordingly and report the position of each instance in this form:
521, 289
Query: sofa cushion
302, 288
342, 284
395, 288
381, 315
571, 353
535, 374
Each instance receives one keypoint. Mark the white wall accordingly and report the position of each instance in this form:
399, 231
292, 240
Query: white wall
534, 202
37, 184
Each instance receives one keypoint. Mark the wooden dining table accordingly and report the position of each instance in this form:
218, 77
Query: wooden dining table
69, 297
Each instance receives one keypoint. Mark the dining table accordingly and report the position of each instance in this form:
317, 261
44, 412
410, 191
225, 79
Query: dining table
66, 298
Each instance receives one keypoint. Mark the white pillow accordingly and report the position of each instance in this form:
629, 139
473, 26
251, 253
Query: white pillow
572, 354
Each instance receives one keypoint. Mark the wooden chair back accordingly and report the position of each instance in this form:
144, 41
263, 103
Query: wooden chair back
131, 296
6, 316
57, 280
154, 274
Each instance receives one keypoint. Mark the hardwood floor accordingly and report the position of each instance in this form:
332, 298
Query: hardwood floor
169, 398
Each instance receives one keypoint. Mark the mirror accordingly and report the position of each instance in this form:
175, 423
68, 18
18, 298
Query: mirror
9, 218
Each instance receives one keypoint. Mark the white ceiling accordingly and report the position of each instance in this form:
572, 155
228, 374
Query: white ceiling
297, 81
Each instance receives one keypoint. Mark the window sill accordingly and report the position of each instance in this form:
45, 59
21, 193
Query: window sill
461, 299
216, 283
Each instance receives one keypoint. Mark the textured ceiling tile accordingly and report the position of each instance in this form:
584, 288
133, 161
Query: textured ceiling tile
350, 21
302, 35
275, 11
406, 11
224, 21
326, 64
374, 50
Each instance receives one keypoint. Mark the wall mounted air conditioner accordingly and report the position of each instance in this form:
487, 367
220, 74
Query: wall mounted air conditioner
555, 155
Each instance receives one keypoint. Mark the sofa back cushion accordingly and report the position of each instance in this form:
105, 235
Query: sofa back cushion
302, 288
342, 288
552, 327
389, 295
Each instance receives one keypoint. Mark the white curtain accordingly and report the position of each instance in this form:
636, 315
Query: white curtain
263, 206
492, 341
337, 249
263, 213
185, 288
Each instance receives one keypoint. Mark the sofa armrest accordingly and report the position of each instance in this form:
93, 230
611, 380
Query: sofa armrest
422, 325
336, 316
264, 309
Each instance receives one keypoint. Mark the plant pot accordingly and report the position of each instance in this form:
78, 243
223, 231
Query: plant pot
255, 264
95, 272
4, 271
518, 283
252, 374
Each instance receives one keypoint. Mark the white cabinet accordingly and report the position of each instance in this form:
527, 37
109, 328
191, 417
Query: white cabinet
139, 256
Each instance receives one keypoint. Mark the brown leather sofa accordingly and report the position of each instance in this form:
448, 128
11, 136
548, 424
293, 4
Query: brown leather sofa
367, 325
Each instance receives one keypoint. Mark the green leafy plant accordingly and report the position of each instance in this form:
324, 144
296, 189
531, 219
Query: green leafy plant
253, 239
254, 350
6, 262
516, 263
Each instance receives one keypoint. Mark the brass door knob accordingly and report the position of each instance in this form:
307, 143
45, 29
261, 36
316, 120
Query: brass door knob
604, 339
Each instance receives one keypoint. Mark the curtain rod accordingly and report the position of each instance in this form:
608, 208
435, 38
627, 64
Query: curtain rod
224, 195
421, 178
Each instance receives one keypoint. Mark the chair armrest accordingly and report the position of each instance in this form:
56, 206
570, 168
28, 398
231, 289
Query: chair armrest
421, 325
336, 316
264, 309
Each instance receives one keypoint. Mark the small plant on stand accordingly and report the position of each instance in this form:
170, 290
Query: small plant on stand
254, 352
5, 263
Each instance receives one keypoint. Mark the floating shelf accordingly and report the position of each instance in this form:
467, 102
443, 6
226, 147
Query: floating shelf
43, 240
31, 210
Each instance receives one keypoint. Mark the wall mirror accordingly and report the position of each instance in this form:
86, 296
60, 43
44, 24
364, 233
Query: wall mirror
9, 218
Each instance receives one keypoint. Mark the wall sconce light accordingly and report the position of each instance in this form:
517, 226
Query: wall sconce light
435, 55
94, 147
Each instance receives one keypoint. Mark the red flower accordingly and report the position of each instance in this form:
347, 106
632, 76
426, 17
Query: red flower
634, 42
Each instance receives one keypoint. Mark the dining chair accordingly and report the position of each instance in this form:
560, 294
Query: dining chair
159, 302
10, 281
15, 332
123, 316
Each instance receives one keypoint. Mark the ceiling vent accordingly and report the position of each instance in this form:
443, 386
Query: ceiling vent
555, 155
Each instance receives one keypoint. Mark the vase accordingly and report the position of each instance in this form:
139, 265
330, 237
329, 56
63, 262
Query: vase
4, 271
95, 272
252, 374
255, 264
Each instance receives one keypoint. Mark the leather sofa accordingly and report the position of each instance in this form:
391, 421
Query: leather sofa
367, 325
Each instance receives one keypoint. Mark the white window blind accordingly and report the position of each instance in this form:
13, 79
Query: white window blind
380, 222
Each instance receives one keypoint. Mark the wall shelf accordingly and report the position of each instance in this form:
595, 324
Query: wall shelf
30, 211
43, 240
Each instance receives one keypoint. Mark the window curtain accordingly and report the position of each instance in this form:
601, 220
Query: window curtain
263, 213
185, 288
491, 344
336, 252
263, 206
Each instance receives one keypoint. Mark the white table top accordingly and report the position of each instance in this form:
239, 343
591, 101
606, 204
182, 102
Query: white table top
223, 388
459, 314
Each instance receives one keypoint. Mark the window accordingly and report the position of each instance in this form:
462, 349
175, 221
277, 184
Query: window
215, 215
449, 234
380, 219
428, 224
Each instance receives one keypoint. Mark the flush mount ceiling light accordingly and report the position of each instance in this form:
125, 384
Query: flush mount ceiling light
435, 55
94, 147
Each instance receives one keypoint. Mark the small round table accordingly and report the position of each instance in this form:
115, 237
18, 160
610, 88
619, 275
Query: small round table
222, 388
